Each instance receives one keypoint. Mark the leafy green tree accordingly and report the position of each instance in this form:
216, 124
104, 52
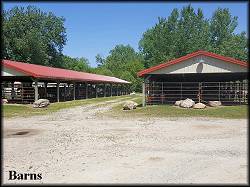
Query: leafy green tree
187, 31
123, 62
99, 60
119, 57
33, 36
102, 71
222, 26
77, 64
222, 37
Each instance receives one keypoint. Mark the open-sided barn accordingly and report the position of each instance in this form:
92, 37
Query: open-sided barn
26, 83
202, 76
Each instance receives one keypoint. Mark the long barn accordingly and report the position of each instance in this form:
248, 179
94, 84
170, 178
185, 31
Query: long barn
202, 76
26, 83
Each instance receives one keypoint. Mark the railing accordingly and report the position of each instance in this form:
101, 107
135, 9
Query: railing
169, 92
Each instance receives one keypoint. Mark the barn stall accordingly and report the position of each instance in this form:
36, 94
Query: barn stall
25, 83
201, 76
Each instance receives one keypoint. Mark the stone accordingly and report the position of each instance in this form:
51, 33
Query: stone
187, 103
130, 105
214, 103
4, 101
177, 103
199, 106
41, 103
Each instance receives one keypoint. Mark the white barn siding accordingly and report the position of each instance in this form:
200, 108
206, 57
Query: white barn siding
11, 72
209, 65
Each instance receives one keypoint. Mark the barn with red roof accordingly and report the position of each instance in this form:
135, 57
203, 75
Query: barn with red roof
201, 76
26, 83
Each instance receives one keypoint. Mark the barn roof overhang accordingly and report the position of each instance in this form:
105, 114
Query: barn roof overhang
57, 74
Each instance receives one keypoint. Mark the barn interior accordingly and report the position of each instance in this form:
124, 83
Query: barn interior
229, 88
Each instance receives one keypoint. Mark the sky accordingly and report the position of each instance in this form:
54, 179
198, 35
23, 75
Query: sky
94, 28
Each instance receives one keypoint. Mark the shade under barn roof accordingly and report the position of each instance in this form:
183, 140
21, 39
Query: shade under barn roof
228, 61
50, 73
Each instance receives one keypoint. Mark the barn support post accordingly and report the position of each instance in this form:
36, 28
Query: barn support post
181, 90
111, 90
105, 89
12, 90
219, 91
117, 90
36, 90
45, 89
143, 94
86, 84
144, 90
162, 95
58, 91
74, 90
96, 91
64, 91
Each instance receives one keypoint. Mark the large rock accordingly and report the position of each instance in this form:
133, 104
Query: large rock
133, 93
199, 106
130, 105
4, 101
214, 103
177, 103
187, 103
40, 103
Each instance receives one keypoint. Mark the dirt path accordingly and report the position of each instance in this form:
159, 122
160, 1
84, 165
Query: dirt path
78, 146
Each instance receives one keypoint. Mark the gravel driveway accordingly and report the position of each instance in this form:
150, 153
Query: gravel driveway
77, 146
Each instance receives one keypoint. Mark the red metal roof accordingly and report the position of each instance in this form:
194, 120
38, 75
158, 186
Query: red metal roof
49, 73
191, 55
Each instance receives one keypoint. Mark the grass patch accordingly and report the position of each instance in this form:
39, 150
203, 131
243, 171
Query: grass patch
15, 110
230, 112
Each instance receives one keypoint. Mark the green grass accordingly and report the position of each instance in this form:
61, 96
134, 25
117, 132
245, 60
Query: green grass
230, 112
14, 110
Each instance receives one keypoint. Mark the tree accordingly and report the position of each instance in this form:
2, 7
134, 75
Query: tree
119, 57
222, 37
103, 71
99, 60
77, 64
33, 36
123, 62
187, 31
222, 26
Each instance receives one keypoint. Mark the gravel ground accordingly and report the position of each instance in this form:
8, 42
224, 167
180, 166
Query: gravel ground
77, 146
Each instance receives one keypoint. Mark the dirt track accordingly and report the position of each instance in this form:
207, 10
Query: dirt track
77, 146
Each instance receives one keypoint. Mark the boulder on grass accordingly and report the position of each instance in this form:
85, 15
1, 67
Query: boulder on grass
130, 105
199, 106
177, 103
4, 101
133, 93
41, 103
214, 103
187, 103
